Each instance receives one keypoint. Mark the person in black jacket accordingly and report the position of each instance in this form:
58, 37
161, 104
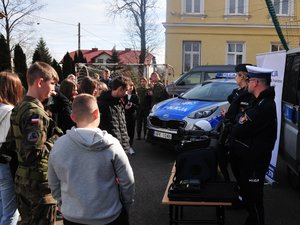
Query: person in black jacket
131, 103
61, 104
239, 100
112, 111
253, 137
144, 108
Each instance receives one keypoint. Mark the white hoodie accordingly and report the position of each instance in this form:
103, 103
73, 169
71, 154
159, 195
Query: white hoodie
5, 112
83, 166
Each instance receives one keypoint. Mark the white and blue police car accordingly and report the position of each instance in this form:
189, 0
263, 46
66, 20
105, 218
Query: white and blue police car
203, 102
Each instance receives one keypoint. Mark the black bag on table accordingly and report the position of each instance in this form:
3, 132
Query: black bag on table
194, 168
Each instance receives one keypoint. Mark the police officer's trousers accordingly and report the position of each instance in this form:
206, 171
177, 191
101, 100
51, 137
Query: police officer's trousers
251, 187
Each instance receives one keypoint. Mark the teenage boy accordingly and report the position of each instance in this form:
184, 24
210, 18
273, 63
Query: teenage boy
112, 111
89, 172
34, 133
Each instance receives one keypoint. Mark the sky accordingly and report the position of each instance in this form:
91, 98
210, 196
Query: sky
57, 24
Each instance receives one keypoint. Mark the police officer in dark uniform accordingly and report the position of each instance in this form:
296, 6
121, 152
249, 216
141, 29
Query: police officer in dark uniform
239, 100
253, 137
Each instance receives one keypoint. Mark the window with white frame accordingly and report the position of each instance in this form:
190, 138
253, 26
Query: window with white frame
235, 53
191, 54
284, 7
193, 6
236, 7
275, 47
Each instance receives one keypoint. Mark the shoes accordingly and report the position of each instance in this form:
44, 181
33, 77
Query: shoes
139, 138
131, 151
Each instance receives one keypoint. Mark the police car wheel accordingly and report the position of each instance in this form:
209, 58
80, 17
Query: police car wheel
293, 178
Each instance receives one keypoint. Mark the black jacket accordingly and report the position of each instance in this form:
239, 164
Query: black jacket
255, 130
239, 100
61, 109
134, 101
113, 117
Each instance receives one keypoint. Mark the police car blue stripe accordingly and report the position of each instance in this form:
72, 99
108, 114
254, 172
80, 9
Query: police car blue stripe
179, 108
288, 112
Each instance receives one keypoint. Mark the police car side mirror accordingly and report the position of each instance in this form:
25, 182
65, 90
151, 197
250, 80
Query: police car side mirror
181, 83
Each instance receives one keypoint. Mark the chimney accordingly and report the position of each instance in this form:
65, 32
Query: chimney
94, 49
127, 49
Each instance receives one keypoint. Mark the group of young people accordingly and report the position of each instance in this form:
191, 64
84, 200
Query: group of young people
85, 171
61, 149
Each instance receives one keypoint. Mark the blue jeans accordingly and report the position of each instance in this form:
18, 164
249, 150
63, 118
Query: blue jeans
9, 213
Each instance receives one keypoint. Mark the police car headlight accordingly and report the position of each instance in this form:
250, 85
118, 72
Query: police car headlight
202, 113
153, 108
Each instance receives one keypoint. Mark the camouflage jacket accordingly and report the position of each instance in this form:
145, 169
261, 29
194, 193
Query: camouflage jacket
34, 133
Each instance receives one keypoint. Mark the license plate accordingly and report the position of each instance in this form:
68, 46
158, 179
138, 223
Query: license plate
162, 135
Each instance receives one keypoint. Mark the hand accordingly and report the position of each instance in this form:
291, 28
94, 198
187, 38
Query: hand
223, 112
128, 105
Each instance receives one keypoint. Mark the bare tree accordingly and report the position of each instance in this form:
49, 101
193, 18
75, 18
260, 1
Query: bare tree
18, 21
142, 23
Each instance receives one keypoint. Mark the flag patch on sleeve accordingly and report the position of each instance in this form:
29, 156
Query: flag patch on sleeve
35, 120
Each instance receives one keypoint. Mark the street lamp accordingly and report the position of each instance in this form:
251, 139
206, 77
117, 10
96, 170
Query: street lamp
2, 15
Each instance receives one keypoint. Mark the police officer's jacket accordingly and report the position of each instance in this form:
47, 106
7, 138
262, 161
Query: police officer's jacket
239, 101
254, 131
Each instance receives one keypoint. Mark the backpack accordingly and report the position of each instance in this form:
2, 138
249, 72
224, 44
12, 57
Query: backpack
196, 165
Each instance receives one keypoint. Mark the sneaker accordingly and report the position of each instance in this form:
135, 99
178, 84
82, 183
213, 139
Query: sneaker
131, 151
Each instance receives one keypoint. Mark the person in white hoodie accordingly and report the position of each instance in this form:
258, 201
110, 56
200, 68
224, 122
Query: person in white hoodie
89, 173
11, 93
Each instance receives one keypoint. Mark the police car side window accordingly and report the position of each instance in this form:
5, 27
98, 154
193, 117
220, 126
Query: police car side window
193, 78
291, 93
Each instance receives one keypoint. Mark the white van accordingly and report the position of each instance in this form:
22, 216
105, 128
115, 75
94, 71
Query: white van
290, 136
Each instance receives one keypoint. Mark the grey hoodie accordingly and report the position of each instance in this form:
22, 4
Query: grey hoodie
83, 166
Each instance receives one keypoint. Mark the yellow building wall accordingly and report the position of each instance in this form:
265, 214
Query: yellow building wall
214, 30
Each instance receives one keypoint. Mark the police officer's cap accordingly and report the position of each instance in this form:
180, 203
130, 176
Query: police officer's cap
242, 67
259, 72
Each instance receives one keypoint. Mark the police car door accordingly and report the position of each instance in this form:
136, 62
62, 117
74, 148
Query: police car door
290, 108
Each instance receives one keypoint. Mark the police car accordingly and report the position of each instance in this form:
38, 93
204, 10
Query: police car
203, 102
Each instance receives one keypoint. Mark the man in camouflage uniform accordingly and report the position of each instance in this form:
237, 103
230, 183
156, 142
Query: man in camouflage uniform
158, 90
34, 133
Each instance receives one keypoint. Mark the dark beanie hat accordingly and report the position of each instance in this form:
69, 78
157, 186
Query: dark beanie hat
242, 67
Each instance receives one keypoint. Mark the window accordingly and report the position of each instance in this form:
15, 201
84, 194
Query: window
275, 47
284, 7
236, 7
235, 53
193, 6
191, 54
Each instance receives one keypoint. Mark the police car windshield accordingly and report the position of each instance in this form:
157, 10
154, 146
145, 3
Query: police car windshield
210, 91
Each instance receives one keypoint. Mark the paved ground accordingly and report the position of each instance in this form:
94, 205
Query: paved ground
152, 165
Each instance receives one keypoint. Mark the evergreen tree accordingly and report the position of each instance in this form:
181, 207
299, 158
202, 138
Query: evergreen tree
76, 59
58, 69
5, 63
114, 59
68, 65
42, 54
20, 64
36, 56
81, 58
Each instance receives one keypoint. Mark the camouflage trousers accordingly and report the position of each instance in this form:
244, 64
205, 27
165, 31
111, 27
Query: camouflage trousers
35, 203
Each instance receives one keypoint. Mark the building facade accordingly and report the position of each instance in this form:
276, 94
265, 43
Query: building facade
221, 32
